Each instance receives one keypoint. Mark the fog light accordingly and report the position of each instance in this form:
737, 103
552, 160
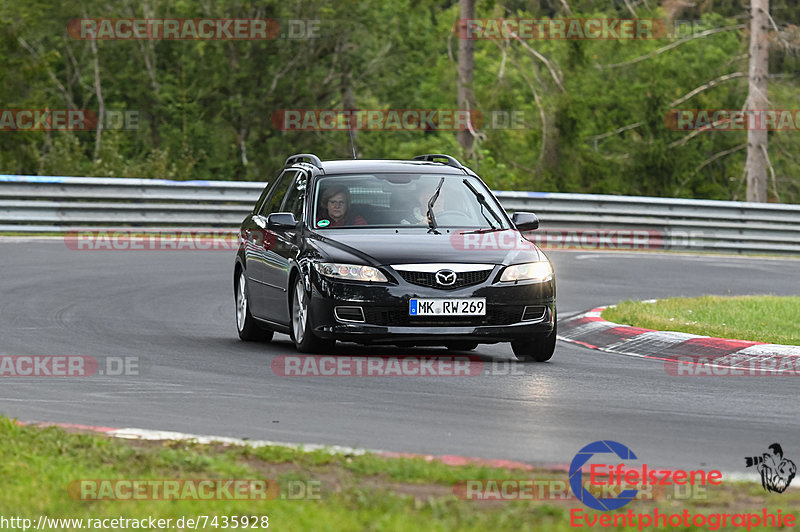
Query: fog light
349, 314
533, 313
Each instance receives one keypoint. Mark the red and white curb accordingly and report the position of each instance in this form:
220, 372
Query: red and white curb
590, 330
451, 460
161, 435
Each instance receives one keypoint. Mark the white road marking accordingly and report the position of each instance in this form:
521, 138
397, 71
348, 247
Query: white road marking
151, 435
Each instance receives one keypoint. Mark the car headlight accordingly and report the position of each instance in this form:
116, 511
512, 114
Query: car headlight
350, 272
538, 271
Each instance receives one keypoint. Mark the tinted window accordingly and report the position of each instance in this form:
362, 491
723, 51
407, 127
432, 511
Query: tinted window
273, 204
263, 197
296, 196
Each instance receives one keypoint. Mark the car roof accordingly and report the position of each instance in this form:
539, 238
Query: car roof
348, 166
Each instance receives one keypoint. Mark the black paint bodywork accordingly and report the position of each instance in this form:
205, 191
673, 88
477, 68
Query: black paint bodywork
274, 255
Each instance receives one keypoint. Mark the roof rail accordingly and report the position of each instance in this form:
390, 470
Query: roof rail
298, 158
449, 160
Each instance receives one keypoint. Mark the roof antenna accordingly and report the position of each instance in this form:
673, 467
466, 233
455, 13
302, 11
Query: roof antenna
352, 142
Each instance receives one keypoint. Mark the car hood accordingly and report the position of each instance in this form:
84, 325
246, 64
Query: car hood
387, 247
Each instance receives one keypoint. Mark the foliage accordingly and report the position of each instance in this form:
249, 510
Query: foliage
205, 106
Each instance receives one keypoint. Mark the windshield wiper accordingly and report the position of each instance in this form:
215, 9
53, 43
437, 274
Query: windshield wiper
431, 217
482, 200
483, 230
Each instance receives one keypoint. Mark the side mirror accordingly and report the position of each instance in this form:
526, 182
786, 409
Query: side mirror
281, 220
525, 221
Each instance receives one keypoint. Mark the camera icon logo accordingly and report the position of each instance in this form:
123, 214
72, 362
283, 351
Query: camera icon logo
776, 471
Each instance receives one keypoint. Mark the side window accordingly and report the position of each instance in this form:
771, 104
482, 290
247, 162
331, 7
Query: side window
295, 198
273, 204
263, 197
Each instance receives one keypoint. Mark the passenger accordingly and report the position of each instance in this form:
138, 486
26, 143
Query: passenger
419, 212
334, 207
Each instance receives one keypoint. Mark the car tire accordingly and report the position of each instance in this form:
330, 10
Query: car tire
461, 346
539, 349
303, 337
247, 327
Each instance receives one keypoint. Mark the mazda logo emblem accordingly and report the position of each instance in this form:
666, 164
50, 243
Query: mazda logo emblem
446, 277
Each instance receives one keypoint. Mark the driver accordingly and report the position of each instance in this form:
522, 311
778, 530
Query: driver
334, 207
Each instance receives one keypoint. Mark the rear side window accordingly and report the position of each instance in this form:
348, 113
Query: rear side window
273, 203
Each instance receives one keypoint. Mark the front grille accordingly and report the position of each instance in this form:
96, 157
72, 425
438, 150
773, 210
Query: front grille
428, 279
495, 315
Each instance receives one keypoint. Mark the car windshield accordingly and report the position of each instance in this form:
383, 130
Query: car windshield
405, 200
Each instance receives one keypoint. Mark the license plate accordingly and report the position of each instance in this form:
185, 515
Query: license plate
471, 306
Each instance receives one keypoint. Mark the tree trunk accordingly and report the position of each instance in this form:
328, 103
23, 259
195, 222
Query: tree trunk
466, 66
101, 106
756, 166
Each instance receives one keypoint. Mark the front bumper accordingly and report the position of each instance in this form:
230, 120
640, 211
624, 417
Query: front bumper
386, 317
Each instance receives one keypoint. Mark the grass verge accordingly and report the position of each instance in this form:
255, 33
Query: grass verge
38, 466
769, 319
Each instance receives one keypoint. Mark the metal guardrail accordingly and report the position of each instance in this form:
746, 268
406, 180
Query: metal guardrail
31, 204
54, 204
729, 226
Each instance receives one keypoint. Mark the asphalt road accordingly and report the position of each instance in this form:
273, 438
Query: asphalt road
174, 310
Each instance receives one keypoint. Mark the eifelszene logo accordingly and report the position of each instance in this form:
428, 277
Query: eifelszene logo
776, 471
611, 477
576, 475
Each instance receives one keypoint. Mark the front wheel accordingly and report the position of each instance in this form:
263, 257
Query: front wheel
540, 349
246, 325
302, 335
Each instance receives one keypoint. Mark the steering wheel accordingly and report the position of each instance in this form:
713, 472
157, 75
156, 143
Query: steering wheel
446, 217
